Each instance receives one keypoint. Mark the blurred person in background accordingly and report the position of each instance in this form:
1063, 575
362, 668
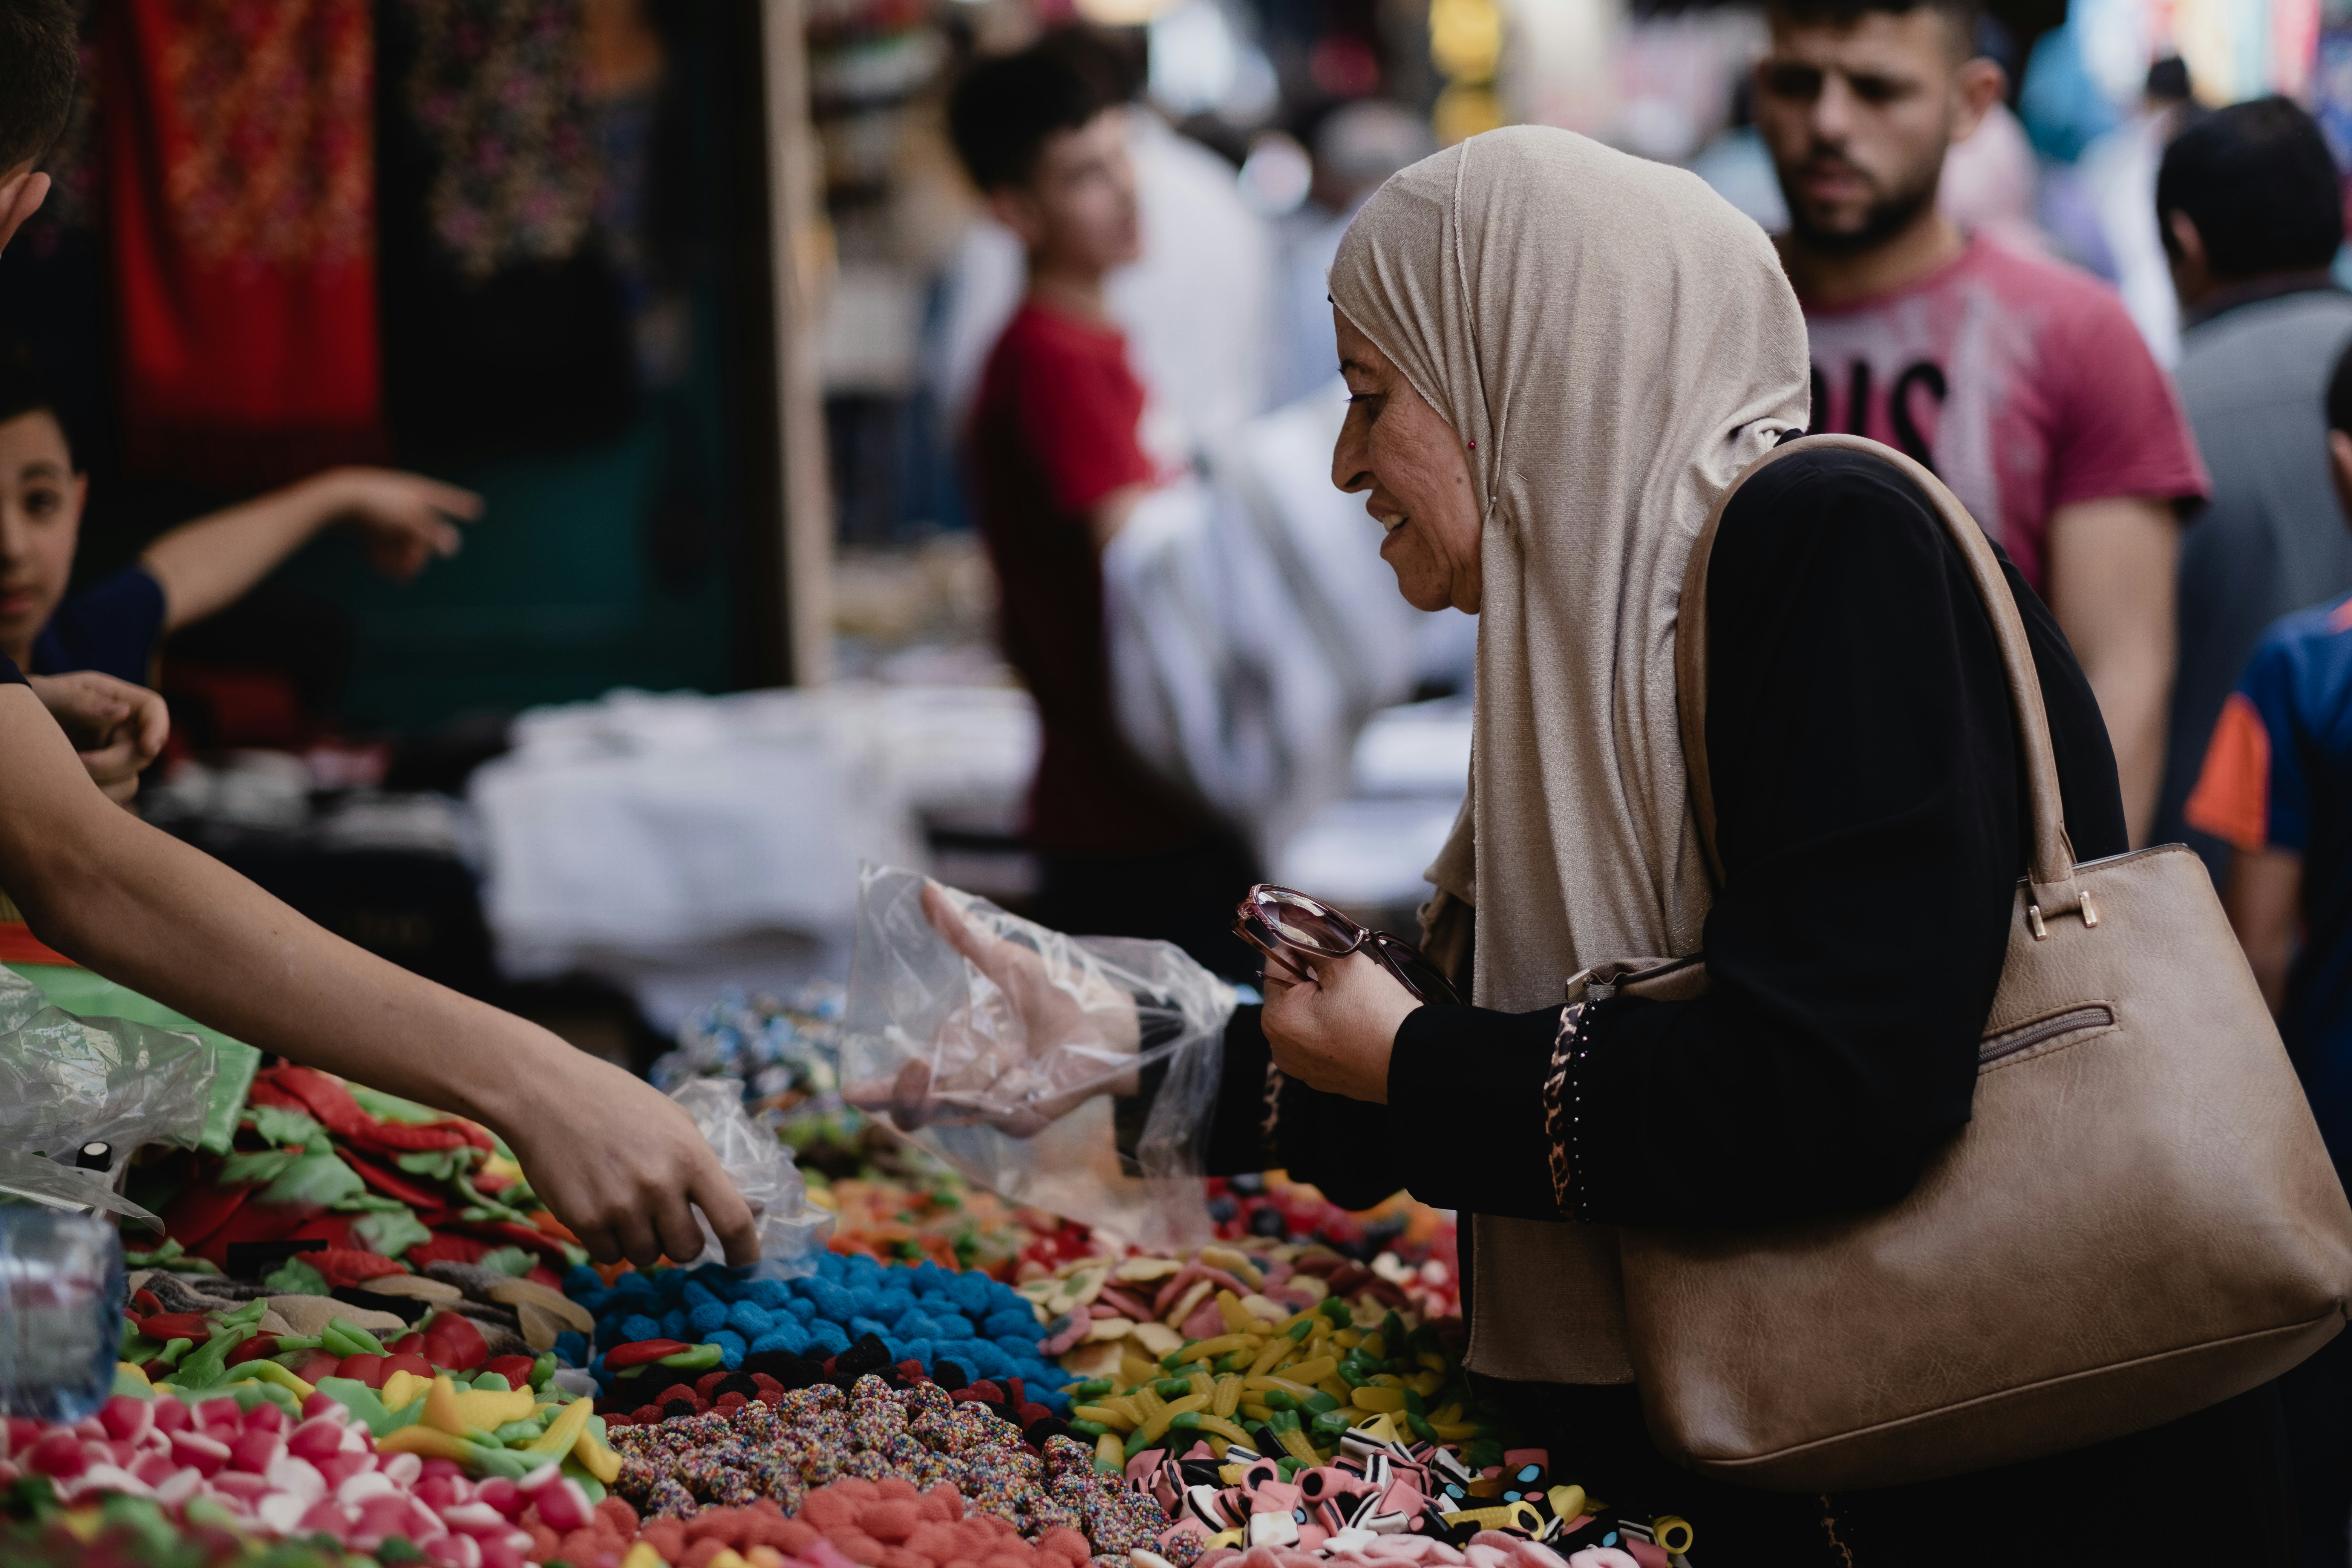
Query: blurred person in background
618, 1162
117, 626
2276, 789
2116, 185
1196, 302
1057, 467
2247, 206
1357, 147
2019, 380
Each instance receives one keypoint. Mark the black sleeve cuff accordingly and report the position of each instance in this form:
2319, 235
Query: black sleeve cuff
1473, 1079
1235, 1126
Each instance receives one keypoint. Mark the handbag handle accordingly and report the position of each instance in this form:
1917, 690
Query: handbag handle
2052, 869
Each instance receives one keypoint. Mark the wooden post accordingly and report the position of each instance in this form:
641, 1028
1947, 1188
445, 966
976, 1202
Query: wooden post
800, 252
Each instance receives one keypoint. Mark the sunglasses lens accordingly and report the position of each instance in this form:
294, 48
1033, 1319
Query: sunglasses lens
1419, 973
1302, 923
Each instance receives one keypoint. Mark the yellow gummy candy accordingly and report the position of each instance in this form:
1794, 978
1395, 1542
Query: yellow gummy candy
564, 1431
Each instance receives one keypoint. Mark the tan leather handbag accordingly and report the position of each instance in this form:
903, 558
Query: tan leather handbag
2139, 1221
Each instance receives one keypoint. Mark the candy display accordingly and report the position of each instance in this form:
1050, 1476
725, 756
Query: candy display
708, 1318
381, 1183
363, 1340
787, 1055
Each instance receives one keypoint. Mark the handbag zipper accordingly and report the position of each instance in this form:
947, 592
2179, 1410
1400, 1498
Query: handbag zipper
2025, 1036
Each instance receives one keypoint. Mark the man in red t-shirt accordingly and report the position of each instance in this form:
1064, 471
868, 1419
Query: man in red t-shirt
1056, 467
2019, 380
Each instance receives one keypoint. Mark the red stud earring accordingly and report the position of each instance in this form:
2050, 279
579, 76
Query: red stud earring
1474, 446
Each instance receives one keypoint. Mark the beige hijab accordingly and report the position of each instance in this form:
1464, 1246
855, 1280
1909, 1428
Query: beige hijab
1620, 343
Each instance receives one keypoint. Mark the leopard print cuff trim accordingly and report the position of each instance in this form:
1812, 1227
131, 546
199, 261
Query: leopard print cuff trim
1563, 1106
1270, 1124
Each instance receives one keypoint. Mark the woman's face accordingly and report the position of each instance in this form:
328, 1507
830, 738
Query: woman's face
1396, 446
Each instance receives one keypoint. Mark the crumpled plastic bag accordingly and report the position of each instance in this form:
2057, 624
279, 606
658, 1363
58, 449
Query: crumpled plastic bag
66, 1081
792, 1229
65, 1186
1137, 1033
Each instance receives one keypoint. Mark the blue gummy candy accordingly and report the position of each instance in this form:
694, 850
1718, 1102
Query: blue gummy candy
637, 1326
893, 1304
571, 1348
832, 1300
831, 1266
579, 1280
673, 1324
670, 1282
938, 1301
828, 1338
790, 1337
912, 1323
750, 1319
696, 1295
711, 1315
731, 1348
999, 1325
773, 1294
800, 1307
970, 1290
952, 1326
859, 1326
1017, 1348
921, 1350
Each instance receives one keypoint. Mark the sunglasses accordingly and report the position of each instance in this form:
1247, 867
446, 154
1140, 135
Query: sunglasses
1278, 921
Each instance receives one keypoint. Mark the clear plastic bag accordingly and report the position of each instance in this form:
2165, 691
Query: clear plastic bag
792, 1230
65, 1081
1128, 1030
56, 1186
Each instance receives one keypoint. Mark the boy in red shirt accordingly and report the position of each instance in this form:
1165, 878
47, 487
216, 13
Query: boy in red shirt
1057, 467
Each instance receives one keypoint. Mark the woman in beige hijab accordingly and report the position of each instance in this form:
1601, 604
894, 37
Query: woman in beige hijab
1560, 357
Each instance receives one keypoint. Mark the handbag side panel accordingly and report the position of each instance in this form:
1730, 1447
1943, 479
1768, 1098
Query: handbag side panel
2140, 1220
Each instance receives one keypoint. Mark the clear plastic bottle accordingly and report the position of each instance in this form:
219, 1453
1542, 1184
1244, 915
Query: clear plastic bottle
61, 1289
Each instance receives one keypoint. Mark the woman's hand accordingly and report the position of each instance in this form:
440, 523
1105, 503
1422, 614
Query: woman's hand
618, 1162
1335, 1035
1025, 1051
117, 727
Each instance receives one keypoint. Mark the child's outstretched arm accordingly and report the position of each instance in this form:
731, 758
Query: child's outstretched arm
206, 565
617, 1161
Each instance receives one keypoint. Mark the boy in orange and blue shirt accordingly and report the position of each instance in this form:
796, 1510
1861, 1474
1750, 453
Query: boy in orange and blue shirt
2277, 788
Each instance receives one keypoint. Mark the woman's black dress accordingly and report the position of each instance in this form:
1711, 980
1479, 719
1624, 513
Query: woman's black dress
1872, 828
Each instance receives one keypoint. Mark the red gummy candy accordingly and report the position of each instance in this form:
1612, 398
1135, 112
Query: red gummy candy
452, 1340
891, 1524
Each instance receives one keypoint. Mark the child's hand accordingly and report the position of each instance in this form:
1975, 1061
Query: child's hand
118, 727
404, 519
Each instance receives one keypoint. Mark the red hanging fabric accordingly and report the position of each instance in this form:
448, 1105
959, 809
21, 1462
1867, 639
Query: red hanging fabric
241, 191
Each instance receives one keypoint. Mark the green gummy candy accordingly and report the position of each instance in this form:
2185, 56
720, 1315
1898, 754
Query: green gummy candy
493, 1382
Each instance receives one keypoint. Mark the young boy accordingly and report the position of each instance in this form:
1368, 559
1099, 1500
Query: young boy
2277, 788
1057, 467
193, 571
617, 1161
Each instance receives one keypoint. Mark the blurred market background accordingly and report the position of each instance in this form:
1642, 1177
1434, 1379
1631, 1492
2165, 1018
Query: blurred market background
694, 294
